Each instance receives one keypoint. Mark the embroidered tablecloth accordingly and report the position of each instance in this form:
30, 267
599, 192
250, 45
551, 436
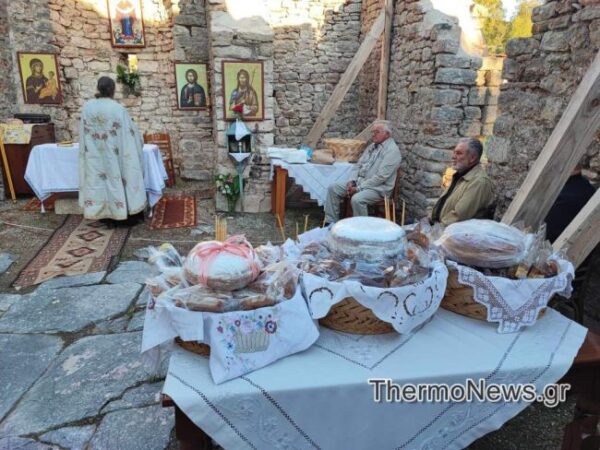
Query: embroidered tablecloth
51, 169
316, 178
320, 399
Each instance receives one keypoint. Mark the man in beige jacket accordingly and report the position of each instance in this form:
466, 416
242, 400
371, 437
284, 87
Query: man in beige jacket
373, 177
471, 193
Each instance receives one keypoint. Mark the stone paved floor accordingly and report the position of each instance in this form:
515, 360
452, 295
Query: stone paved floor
71, 376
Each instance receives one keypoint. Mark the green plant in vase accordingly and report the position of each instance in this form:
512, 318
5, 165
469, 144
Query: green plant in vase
229, 186
130, 80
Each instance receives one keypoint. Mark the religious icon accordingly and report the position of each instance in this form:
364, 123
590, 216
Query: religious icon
126, 23
40, 78
192, 85
243, 85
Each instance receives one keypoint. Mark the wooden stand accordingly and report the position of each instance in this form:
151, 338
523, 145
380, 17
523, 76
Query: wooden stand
17, 156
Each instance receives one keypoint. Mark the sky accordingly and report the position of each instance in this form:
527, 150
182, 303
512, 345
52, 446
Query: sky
509, 7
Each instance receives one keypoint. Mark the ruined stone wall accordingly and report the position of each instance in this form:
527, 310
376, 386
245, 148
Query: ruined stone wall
23, 18
433, 98
7, 87
193, 129
542, 73
78, 31
314, 41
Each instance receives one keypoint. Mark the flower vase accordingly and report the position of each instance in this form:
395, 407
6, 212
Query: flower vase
231, 204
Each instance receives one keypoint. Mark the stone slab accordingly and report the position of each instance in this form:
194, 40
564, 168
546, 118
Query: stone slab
137, 321
69, 309
6, 260
17, 443
131, 271
23, 359
73, 438
6, 300
133, 429
137, 397
87, 279
85, 377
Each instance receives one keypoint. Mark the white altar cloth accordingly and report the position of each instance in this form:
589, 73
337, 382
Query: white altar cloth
52, 169
321, 399
316, 178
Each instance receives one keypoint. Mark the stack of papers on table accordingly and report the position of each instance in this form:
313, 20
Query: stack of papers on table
289, 155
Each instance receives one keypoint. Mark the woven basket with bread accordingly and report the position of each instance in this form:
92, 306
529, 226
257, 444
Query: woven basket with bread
493, 251
348, 150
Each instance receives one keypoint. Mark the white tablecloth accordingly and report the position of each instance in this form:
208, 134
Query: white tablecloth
316, 178
51, 169
321, 399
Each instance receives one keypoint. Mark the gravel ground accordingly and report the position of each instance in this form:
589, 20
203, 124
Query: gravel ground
23, 233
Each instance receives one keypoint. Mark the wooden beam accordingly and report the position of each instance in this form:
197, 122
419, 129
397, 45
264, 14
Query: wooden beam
348, 77
365, 134
384, 67
582, 235
565, 147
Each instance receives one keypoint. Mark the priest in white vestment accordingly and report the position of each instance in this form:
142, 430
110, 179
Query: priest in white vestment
111, 177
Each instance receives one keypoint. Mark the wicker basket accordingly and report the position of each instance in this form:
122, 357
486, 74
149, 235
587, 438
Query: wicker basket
459, 299
349, 316
345, 149
195, 347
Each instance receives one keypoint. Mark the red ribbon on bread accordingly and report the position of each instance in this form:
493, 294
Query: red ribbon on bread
235, 245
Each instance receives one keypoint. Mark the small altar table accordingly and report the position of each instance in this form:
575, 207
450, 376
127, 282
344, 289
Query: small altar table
313, 178
52, 168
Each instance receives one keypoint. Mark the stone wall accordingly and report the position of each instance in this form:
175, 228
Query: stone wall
434, 98
7, 87
25, 17
542, 72
314, 41
193, 129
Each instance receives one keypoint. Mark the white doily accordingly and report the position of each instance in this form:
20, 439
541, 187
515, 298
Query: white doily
515, 303
405, 307
240, 341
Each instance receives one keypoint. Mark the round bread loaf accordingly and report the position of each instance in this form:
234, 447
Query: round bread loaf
484, 243
368, 239
223, 270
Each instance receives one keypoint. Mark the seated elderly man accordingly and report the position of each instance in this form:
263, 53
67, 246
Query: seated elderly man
471, 193
373, 177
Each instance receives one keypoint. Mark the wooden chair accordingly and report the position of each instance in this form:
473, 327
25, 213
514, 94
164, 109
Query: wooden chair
379, 207
164, 144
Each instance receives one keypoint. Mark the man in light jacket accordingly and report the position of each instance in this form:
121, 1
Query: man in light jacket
373, 177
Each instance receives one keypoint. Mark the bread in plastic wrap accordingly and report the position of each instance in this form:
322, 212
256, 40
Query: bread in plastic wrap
225, 266
368, 239
485, 243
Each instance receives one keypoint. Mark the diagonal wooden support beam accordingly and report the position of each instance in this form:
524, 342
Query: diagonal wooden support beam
384, 68
582, 235
565, 147
348, 77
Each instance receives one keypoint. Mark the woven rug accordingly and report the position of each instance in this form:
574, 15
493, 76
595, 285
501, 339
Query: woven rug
34, 204
77, 247
174, 211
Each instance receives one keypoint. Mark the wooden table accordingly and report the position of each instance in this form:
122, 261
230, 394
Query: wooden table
278, 191
584, 377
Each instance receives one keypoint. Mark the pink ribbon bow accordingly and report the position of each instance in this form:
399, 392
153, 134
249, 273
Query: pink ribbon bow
235, 245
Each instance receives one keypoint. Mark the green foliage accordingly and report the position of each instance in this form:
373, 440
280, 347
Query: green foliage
228, 185
497, 29
129, 79
522, 24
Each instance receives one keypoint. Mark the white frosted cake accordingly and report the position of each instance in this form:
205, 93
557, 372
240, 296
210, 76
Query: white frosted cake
369, 239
